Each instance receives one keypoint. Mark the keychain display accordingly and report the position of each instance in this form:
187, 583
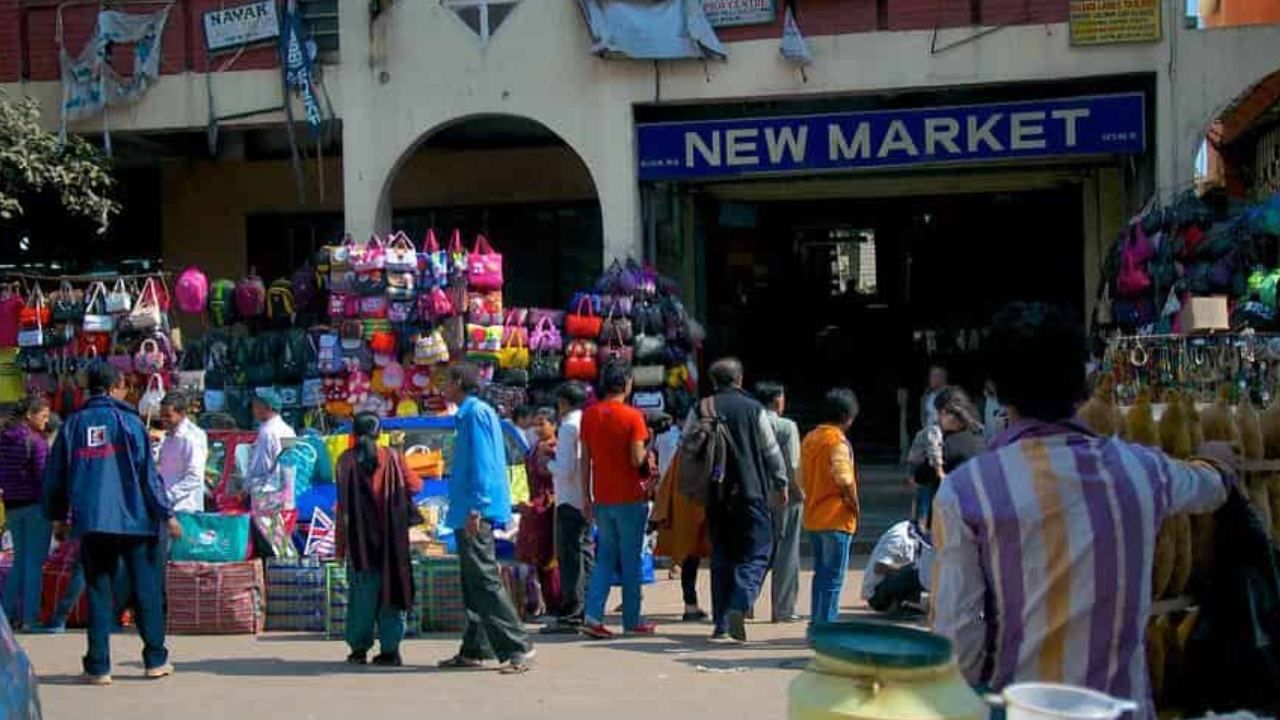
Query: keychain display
1195, 366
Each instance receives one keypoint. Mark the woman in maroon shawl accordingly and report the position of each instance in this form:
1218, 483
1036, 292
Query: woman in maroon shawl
375, 510
535, 542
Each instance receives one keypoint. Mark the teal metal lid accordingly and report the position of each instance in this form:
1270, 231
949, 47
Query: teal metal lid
881, 644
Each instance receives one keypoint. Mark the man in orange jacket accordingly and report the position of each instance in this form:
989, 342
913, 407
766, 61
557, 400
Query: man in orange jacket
831, 508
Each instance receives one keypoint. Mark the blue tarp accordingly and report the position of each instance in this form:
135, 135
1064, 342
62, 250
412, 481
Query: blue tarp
649, 30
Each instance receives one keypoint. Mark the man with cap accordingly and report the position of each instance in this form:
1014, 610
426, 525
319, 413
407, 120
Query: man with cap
272, 433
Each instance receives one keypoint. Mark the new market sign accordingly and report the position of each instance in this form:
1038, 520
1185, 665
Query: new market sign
727, 13
1096, 125
241, 25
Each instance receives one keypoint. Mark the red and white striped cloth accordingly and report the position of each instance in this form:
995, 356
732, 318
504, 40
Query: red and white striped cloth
216, 598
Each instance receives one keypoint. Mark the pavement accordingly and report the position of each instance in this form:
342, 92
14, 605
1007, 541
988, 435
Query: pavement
677, 674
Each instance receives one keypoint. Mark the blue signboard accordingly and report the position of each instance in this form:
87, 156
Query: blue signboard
1095, 125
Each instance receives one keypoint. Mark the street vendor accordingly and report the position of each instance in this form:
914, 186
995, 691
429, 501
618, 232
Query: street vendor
1045, 542
273, 431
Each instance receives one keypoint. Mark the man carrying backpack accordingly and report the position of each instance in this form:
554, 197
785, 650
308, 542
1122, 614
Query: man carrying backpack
740, 468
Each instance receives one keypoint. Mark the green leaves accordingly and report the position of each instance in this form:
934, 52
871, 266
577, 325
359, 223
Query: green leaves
33, 160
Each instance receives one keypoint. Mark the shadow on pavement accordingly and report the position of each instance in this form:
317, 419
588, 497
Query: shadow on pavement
279, 667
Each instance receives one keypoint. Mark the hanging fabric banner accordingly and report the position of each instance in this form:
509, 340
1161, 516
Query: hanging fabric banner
794, 47
90, 84
295, 56
662, 30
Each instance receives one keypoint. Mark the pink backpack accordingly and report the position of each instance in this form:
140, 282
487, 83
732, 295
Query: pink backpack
192, 291
251, 297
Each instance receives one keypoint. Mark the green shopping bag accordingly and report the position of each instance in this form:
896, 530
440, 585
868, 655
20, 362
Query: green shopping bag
212, 537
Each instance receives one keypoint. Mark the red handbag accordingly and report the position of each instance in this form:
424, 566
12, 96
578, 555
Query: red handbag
581, 368
583, 322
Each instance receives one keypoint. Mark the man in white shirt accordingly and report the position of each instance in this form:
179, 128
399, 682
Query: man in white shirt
272, 432
573, 530
891, 581
183, 455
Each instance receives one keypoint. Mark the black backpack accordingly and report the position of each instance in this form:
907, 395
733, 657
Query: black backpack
704, 455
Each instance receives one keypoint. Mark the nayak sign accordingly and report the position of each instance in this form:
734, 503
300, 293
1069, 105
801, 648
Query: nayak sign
240, 25
1097, 125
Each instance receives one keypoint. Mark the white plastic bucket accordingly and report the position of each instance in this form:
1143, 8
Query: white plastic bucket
1046, 701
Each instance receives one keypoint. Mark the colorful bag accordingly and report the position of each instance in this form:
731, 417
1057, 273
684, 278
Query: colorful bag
582, 322
192, 291
212, 537
458, 264
484, 342
433, 262
439, 306
401, 255
430, 349
280, 301
251, 297
401, 312
401, 286
372, 257
295, 591
514, 355
373, 307
484, 308
149, 359
546, 337
340, 255
537, 315
215, 598
484, 266
222, 307
371, 282
342, 281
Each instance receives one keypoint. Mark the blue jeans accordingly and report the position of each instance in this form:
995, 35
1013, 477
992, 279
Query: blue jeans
741, 547
621, 544
31, 533
365, 610
101, 556
830, 565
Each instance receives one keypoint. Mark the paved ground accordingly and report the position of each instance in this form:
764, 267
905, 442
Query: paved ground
676, 675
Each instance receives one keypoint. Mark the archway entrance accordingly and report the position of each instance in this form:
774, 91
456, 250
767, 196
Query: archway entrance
521, 185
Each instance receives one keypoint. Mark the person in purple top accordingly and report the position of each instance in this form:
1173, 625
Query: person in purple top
23, 453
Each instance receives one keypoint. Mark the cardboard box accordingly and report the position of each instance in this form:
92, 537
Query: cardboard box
1205, 314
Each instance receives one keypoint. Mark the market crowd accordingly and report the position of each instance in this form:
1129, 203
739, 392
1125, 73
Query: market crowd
1019, 486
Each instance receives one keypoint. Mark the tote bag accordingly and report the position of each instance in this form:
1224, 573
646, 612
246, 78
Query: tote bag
212, 537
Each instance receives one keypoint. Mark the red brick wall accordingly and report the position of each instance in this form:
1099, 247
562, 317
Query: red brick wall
183, 40
837, 17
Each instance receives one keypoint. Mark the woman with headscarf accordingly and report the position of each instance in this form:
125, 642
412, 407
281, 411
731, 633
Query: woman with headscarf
962, 439
375, 510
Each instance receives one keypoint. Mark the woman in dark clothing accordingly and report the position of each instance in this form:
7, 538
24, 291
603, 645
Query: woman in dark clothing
961, 440
23, 453
535, 543
375, 510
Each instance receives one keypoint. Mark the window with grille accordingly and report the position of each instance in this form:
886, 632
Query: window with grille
484, 17
320, 17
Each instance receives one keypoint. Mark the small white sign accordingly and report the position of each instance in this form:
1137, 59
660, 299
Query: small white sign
727, 13
240, 25
97, 436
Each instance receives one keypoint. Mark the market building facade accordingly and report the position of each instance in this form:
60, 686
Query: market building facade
863, 212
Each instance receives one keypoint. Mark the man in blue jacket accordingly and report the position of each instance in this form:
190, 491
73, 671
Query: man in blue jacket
479, 500
101, 474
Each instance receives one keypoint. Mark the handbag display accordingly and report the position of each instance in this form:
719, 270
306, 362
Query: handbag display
149, 403
401, 255
613, 350
439, 305
546, 367
484, 266
580, 361
96, 317
649, 376
342, 281
583, 323
340, 254
484, 308
616, 323
119, 301
484, 342
146, 315
149, 358
401, 286
371, 283
457, 254
370, 257
555, 317
650, 343
546, 337
68, 304
401, 312
433, 262
514, 355
425, 462
430, 349
373, 307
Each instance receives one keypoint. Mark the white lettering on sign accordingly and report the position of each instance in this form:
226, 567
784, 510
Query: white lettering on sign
978, 134
839, 148
1070, 118
743, 148
786, 140
1026, 131
897, 139
710, 153
941, 131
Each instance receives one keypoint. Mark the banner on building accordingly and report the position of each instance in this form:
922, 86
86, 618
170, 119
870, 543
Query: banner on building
240, 25
1109, 22
1094, 125
727, 13
296, 52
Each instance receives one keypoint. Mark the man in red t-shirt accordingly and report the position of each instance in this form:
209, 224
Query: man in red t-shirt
613, 455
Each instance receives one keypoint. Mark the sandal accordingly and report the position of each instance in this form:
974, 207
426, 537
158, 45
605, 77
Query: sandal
459, 662
519, 665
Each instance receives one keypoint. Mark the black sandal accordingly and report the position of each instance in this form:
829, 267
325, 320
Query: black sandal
459, 662
358, 659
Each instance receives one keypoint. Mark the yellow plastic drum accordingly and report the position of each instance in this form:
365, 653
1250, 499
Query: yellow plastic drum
873, 671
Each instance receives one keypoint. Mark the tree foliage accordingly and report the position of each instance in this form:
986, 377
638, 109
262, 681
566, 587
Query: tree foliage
34, 161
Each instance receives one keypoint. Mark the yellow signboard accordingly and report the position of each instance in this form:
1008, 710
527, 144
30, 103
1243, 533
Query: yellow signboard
1107, 22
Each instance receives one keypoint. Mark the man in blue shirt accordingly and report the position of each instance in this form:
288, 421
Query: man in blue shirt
479, 500
102, 475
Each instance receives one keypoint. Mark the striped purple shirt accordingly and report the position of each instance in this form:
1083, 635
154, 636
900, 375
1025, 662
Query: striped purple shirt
23, 454
1045, 547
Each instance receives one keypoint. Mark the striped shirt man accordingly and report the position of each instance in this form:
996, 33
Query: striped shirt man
1045, 547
